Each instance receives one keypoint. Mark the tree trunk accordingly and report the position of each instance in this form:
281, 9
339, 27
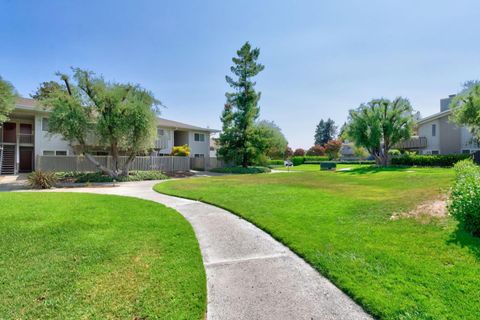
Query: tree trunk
114, 151
245, 160
99, 166
126, 166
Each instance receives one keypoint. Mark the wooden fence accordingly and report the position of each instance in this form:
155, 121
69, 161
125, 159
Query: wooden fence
206, 163
81, 164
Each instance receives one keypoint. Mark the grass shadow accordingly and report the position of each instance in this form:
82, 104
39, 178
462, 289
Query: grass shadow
464, 239
374, 169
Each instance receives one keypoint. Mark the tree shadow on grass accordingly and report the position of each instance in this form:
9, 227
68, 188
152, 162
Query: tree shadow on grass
464, 239
374, 169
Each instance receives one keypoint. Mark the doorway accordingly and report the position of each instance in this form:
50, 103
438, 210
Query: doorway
26, 159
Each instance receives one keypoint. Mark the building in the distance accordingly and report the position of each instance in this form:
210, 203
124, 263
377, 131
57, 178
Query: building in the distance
437, 134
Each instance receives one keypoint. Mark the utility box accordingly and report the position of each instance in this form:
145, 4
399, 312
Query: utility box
328, 165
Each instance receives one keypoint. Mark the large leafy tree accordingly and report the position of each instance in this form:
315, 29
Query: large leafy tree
240, 139
466, 108
275, 139
379, 124
7, 99
91, 112
47, 88
325, 131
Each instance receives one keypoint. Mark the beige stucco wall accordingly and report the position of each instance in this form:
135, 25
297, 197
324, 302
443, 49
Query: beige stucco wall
198, 147
433, 142
450, 136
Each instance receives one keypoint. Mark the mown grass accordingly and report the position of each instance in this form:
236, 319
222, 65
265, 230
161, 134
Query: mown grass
316, 167
80, 256
340, 223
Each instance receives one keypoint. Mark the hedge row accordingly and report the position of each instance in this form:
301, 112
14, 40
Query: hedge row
241, 170
87, 177
298, 160
441, 160
275, 162
464, 202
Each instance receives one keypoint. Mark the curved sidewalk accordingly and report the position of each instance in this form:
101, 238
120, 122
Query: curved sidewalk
249, 274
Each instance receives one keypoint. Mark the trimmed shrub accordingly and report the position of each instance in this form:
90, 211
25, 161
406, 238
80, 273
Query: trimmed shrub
42, 180
440, 160
275, 162
464, 202
241, 170
297, 160
308, 160
88, 177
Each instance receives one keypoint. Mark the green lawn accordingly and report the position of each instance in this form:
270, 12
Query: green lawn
316, 167
340, 223
80, 256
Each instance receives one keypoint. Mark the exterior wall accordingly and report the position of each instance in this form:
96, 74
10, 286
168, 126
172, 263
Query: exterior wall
169, 137
425, 130
47, 141
181, 137
467, 142
450, 137
199, 147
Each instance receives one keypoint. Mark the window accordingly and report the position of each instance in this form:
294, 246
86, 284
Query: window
45, 124
434, 130
199, 155
466, 151
54, 153
435, 152
160, 132
199, 137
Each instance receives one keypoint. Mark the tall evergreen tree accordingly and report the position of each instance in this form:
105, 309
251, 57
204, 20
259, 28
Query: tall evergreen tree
240, 140
325, 131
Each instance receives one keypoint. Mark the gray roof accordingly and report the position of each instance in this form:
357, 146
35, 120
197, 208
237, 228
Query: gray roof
31, 104
179, 125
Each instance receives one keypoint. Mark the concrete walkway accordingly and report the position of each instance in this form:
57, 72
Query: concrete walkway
249, 274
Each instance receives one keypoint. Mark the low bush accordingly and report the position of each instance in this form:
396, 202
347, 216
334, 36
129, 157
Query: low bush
308, 160
241, 170
275, 162
87, 177
440, 160
464, 202
42, 180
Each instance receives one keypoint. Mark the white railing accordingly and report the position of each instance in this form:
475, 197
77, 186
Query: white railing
81, 164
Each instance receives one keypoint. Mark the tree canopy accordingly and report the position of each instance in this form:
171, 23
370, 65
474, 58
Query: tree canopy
276, 142
380, 124
7, 99
466, 108
91, 112
46, 89
240, 140
325, 131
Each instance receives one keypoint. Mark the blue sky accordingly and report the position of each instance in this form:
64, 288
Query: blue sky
322, 58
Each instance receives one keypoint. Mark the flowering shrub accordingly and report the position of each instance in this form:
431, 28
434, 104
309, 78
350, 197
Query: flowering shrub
332, 148
464, 202
181, 151
299, 152
316, 150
